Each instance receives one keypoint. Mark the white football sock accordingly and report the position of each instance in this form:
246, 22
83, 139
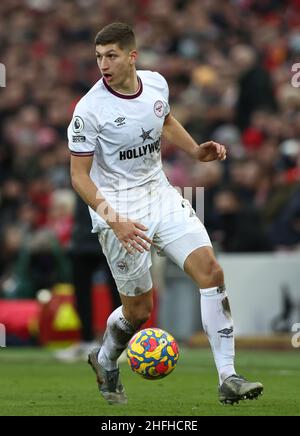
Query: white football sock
115, 339
218, 325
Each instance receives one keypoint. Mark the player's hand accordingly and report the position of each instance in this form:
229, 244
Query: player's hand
131, 235
209, 151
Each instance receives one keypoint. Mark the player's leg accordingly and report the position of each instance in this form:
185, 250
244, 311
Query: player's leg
202, 266
134, 283
121, 326
133, 280
193, 252
186, 242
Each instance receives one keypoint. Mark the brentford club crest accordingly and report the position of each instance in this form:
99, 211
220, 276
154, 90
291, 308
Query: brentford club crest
159, 109
122, 266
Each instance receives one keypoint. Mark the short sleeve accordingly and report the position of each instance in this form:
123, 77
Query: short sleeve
165, 93
82, 133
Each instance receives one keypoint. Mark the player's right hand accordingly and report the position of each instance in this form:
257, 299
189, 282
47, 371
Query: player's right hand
131, 235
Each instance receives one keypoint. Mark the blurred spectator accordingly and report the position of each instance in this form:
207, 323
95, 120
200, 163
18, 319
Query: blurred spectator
11, 196
39, 263
255, 86
238, 228
60, 215
11, 242
285, 230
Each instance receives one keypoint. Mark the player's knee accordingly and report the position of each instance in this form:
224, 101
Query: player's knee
217, 275
213, 276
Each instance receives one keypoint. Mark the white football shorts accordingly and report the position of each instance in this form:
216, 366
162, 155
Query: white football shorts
175, 230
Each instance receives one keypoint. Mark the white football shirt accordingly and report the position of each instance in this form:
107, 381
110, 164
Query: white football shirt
123, 133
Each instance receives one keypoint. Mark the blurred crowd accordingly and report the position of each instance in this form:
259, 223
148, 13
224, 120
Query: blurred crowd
229, 65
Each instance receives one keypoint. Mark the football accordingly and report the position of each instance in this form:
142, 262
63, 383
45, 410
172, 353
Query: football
152, 353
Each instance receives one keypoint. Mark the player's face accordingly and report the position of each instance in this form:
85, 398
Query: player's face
115, 63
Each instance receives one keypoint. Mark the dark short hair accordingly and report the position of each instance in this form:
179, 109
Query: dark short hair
116, 33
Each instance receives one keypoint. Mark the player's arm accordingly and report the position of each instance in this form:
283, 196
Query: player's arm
129, 233
176, 134
85, 187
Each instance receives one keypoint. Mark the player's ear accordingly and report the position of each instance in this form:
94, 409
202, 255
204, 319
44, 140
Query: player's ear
133, 57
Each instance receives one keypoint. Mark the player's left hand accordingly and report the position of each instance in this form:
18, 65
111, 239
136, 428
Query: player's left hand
209, 151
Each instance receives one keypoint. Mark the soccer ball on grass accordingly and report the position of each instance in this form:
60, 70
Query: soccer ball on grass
152, 353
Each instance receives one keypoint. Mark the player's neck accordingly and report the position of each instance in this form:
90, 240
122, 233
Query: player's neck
130, 86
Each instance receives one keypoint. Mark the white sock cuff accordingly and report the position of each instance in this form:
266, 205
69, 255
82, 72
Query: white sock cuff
119, 319
213, 292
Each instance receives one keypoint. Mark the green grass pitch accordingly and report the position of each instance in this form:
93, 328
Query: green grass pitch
33, 383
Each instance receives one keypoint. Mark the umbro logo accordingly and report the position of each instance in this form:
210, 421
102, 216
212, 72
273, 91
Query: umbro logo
120, 121
226, 332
